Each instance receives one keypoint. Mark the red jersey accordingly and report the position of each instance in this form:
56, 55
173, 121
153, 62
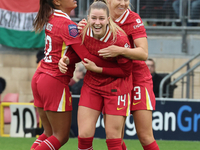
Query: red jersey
132, 24
105, 84
60, 33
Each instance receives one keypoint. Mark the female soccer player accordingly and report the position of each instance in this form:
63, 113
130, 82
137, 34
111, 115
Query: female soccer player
100, 90
143, 99
50, 87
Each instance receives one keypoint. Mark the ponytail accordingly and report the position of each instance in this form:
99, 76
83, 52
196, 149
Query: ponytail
46, 9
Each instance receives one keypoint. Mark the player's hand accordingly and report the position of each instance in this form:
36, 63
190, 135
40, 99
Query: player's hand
63, 64
81, 25
110, 51
91, 66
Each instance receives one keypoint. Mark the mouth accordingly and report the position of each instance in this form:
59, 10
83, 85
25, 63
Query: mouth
97, 28
120, 8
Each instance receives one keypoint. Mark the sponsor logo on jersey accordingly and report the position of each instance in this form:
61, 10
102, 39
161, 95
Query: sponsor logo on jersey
73, 30
136, 103
126, 45
120, 108
140, 23
49, 26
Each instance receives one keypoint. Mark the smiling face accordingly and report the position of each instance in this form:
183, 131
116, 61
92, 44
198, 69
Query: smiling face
117, 7
98, 21
65, 5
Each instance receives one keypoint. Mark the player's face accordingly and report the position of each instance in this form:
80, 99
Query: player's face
117, 7
151, 66
98, 21
65, 5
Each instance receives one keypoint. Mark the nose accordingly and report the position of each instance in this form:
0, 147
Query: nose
97, 21
122, 2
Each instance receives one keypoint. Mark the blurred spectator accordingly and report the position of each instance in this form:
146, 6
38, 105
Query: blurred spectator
80, 74
158, 9
2, 84
155, 77
194, 10
40, 55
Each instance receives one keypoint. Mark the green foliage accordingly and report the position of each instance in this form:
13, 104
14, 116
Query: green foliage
99, 144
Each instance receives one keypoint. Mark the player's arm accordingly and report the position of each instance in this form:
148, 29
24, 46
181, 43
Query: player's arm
138, 53
72, 57
123, 70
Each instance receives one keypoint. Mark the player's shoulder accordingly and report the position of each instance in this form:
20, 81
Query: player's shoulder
70, 27
134, 17
122, 39
122, 34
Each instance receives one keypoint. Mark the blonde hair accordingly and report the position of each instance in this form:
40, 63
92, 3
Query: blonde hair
114, 28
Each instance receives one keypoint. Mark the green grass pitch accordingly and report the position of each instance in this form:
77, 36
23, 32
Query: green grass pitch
98, 144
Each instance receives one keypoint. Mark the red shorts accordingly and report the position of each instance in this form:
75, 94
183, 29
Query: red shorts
113, 105
143, 97
50, 94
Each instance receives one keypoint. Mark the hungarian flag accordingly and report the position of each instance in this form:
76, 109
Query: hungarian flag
16, 24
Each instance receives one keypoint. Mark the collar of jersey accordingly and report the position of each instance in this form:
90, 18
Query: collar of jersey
123, 17
104, 38
58, 12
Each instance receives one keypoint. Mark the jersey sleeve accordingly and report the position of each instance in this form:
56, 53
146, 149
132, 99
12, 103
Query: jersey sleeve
124, 70
73, 57
70, 33
125, 64
137, 29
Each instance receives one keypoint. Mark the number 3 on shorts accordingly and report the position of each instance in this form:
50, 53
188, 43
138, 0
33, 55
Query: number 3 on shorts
137, 91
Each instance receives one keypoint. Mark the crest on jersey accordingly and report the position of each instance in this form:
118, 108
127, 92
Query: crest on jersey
73, 30
138, 21
126, 45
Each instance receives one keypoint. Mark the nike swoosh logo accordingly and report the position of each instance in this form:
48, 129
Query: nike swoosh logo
119, 108
136, 103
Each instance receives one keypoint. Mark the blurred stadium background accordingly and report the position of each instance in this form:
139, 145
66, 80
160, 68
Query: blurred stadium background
173, 40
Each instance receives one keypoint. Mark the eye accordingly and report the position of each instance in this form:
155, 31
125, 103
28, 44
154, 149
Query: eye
101, 18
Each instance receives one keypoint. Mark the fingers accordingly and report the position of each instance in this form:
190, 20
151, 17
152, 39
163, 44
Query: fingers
62, 65
87, 60
82, 24
67, 60
104, 54
63, 70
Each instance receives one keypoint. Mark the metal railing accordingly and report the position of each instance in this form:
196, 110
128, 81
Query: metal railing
189, 73
173, 12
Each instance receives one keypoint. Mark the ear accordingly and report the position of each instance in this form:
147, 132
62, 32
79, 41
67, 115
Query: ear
56, 2
88, 18
108, 20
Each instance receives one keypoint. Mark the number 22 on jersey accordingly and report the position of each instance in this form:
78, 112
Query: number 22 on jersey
48, 49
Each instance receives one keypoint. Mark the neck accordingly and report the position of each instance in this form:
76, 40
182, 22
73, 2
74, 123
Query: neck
67, 11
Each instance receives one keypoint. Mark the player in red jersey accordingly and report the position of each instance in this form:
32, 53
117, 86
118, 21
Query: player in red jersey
50, 87
100, 90
143, 99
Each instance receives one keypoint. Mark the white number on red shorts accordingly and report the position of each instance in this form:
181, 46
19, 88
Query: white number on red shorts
137, 91
48, 43
122, 98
